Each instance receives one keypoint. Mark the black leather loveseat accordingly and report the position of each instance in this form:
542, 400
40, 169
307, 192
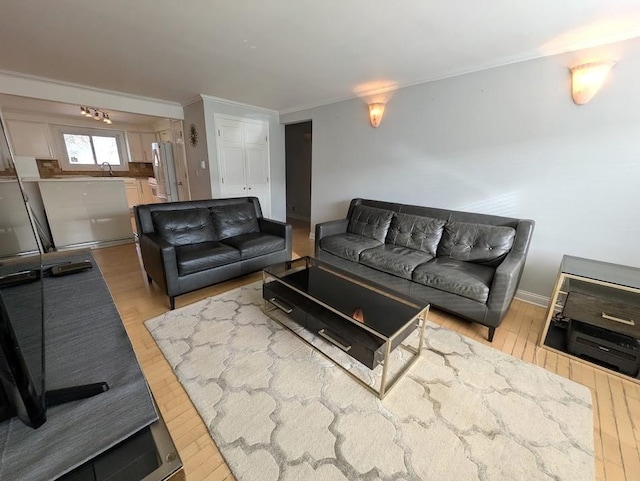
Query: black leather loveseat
190, 245
465, 263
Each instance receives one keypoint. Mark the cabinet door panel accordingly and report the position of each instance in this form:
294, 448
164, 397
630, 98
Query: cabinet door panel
147, 138
30, 139
135, 147
257, 166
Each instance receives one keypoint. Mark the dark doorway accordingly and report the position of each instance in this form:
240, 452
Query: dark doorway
298, 139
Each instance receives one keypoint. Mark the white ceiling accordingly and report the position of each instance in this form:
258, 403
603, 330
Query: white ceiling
289, 54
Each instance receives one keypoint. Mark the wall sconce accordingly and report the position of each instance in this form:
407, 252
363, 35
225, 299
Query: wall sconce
586, 80
375, 114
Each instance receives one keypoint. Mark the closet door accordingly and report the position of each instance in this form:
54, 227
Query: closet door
231, 161
243, 160
257, 164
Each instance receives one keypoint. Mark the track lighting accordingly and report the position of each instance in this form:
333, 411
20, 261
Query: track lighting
96, 114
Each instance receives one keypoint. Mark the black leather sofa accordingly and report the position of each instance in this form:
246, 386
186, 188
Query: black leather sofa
193, 244
464, 263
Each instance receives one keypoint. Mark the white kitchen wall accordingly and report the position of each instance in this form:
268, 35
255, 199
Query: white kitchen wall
505, 141
214, 106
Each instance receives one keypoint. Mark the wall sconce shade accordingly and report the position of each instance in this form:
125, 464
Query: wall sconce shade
586, 80
375, 113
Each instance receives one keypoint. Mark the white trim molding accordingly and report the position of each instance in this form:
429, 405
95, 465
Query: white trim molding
532, 298
24, 85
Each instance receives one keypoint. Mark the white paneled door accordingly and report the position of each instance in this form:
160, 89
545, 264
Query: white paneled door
243, 160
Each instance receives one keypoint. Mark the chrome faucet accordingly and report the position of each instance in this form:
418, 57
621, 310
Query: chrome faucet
108, 165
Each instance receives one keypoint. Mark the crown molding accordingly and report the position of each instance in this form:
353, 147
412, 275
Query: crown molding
27, 85
233, 103
567, 47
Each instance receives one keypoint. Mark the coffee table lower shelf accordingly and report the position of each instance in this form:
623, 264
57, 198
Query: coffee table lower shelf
361, 343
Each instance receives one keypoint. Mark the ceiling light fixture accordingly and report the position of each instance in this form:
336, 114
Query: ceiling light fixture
586, 80
96, 114
376, 111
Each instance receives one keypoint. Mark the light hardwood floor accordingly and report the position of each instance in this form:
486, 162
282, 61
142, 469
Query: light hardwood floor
616, 401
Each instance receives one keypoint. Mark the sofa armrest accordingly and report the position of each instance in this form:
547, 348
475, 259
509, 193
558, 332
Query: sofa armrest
280, 229
159, 260
332, 227
508, 273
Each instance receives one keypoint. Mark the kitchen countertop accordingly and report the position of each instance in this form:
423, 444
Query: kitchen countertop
78, 179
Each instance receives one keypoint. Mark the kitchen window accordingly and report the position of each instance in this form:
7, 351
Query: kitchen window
90, 149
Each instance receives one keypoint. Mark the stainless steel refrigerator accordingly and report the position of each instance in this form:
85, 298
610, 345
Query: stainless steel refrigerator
164, 171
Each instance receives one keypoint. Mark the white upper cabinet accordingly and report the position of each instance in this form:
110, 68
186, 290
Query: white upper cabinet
140, 146
31, 139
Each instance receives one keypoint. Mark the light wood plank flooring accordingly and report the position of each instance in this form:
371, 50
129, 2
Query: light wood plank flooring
616, 401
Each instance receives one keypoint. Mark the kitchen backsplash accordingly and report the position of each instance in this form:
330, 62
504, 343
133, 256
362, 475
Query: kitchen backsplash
50, 168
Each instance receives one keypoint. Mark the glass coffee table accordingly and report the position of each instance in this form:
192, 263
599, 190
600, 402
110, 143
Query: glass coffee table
346, 318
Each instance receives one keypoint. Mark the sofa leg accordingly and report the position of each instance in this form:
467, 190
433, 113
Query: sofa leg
492, 332
149, 280
172, 302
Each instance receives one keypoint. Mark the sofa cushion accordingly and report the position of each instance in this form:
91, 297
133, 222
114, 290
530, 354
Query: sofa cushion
480, 243
234, 219
255, 244
462, 278
205, 255
415, 232
396, 260
187, 226
347, 246
369, 222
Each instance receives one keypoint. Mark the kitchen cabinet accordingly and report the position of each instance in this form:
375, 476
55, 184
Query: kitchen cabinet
140, 146
165, 135
31, 139
131, 189
139, 192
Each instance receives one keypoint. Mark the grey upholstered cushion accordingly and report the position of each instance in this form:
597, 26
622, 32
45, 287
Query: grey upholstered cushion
347, 246
205, 255
235, 219
396, 260
463, 278
181, 227
415, 232
370, 222
255, 244
480, 243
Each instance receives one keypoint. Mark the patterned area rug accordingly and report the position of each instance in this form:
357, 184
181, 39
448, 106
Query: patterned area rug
278, 410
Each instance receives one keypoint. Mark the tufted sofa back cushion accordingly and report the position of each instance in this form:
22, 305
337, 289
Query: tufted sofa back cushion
415, 232
479, 243
370, 222
235, 219
181, 227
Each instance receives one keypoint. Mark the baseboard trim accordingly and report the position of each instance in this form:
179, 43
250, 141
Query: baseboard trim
532, 298
299, 217
312, 235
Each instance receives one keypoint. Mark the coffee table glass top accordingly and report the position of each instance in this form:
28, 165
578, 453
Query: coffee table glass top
346, 293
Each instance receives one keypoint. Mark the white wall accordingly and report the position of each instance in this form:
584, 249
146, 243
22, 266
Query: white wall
199, 180
505, 141
214, 106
